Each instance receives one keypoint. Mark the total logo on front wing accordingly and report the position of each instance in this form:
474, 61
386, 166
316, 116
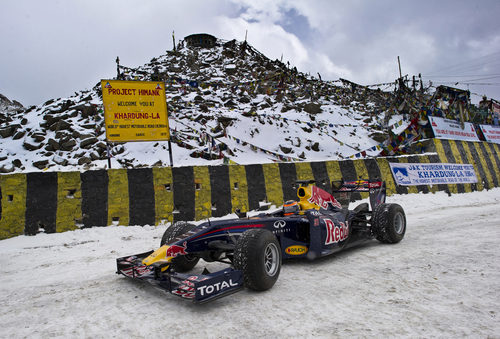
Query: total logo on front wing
216, 287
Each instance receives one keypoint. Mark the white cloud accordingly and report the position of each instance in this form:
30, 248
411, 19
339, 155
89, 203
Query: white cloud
52, 48
270, 39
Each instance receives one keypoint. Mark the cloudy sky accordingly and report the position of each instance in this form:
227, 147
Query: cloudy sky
52, 48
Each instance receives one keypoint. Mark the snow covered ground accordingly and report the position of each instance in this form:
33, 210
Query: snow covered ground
442, 280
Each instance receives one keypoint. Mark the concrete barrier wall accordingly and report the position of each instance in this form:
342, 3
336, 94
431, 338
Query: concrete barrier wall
63, 201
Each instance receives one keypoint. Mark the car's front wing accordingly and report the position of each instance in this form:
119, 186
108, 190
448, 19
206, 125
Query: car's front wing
199, 288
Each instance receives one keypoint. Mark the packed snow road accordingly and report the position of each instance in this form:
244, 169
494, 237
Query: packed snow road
442, 280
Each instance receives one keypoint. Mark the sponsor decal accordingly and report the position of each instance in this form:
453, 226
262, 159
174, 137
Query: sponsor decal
184, 294
336, 233
279, 224
137, 271
216, 287
322, 198
175, 250
188, 283
132, 258
296, 250
376, 184
186, 288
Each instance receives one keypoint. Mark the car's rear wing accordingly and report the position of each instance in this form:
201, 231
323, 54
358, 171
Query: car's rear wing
342, 191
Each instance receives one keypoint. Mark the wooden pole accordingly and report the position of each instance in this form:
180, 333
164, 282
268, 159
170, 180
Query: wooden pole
399, 63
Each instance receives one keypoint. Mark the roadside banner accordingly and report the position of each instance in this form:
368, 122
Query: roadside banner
451, 129
496, 113
410, 174
491, 133
135, 110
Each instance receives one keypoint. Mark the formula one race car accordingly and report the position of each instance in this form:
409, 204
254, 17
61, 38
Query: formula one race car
253, 246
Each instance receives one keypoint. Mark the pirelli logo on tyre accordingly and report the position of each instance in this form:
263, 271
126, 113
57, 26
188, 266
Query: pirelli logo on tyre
296, 250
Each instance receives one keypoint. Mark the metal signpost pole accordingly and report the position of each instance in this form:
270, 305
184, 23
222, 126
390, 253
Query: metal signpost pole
109, 154
170, 153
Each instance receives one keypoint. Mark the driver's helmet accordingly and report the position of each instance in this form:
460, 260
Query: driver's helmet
290, 207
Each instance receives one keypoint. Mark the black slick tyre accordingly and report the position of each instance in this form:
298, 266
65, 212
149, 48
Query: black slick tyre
389, 223
181, 263
258, 255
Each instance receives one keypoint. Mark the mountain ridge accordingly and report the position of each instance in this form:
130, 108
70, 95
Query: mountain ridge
227, 104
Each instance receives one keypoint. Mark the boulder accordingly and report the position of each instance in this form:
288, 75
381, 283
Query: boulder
53, 144
39, 137
7, 132
101, 145
312, 108
86, 143
7, 168
60, 160
84, 160
62, 125
86, 110
41, 164
315, 147
19, 135
17, 163
68, 145
31, 147
285, 150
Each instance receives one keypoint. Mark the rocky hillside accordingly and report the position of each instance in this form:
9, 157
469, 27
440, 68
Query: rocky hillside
228, 103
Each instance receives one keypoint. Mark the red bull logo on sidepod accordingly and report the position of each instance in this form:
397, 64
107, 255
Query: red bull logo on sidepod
322, 198
334, 233
175, 250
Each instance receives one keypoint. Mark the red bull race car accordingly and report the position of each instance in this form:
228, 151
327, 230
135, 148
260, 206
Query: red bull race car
316, 225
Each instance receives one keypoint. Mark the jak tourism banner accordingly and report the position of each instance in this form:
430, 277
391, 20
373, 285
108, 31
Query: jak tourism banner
409, 174
451, 129
135, 110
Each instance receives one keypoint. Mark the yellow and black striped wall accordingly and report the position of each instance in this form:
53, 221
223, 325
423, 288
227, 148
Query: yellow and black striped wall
61, 201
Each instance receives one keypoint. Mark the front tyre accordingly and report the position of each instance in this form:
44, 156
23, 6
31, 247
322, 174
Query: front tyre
389, 223
181, 263
258, 255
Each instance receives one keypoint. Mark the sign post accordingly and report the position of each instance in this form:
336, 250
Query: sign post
135, 111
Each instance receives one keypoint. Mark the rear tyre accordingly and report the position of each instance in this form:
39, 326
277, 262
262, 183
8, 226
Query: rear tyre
181, 263
258, 255
389, 223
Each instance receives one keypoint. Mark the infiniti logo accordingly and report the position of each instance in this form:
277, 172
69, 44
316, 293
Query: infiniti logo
279, 224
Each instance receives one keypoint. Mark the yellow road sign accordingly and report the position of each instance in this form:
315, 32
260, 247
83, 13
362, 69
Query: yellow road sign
135, 110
